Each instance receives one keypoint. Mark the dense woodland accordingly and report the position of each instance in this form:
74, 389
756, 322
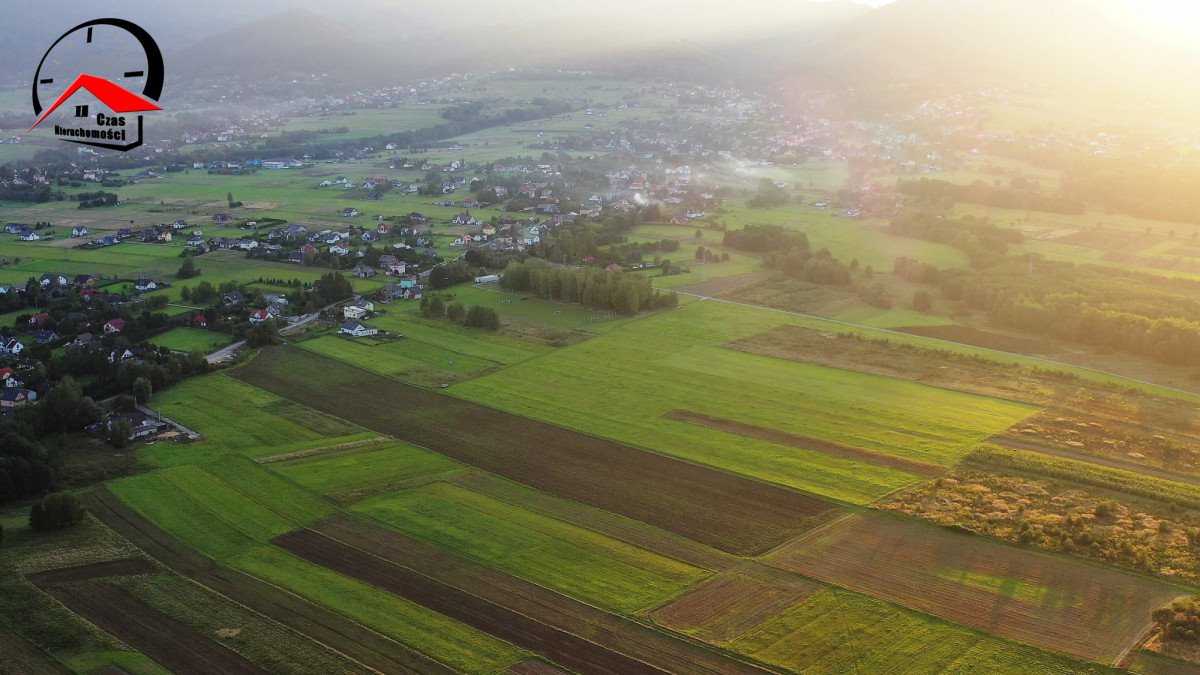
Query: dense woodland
1091, 304
613, 291
1020, 193
789, 252
983, 242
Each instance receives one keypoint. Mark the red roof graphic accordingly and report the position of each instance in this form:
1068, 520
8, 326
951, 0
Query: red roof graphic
117, 98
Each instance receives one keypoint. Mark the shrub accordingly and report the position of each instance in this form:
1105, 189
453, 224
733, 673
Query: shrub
57, 511
482, 317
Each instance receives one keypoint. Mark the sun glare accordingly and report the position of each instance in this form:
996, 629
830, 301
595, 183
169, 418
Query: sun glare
1170, 19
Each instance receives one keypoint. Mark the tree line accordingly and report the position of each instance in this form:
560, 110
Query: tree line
1020, 193
983, 242
1090, 304
614, 291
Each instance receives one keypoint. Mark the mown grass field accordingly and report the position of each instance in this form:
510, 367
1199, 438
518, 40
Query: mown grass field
222, 509
236, 417
1036, 598
500, 348
571, 559
420, 363
674, 361
188, 339
363, 468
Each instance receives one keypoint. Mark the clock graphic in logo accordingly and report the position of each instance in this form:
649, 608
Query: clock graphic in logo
131, 82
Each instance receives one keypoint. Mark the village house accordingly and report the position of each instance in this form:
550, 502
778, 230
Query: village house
11, 347
114, 326
259, 316
356, 329
16, 397
79, 231
364, 271
353, 312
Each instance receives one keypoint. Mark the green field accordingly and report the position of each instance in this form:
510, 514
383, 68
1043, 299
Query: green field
674, 362
233, 416
363, 468
500, 348
188, 339
833, 628
230, 510
462, 648
565, 557
223, 509
419, 363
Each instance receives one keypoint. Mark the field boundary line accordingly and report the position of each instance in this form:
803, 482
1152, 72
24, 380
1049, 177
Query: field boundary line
310, 452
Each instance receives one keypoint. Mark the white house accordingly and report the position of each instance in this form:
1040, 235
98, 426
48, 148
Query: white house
356, 329
352, 312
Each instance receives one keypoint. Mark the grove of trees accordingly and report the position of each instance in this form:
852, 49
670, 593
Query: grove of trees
614, 291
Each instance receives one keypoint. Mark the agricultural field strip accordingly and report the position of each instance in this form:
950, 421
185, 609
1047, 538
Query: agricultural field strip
310, 452
229, 509
392, 550
547, 551
730, 604
671, 545
678, 356
798, 441
111, 568
316, 623
1093, 373
24, 655
980, 582
686, 498
151, 632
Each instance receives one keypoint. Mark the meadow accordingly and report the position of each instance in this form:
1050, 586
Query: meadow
188, 339
234, 417
363, 468
415, 362
676, 357
723, 510
558, 555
